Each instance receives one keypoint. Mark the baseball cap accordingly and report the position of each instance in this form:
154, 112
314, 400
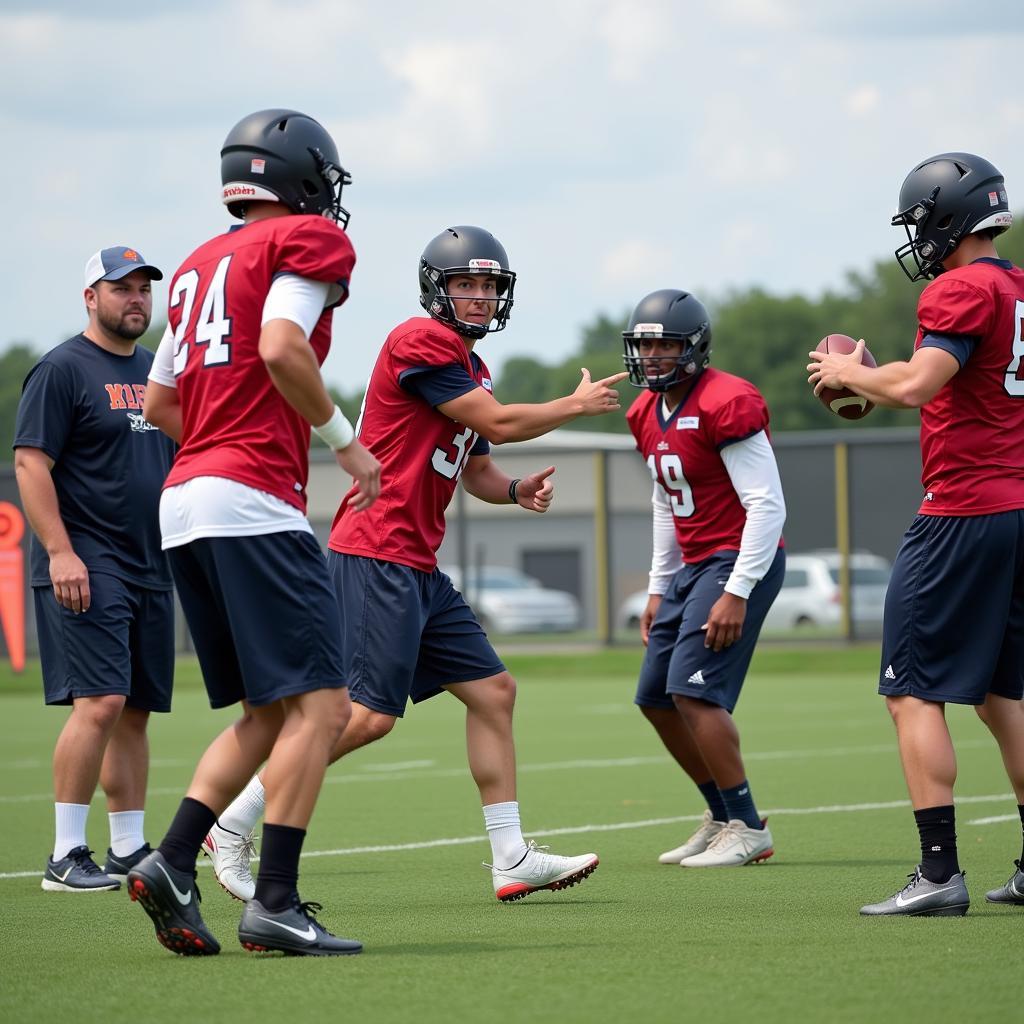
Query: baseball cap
116, 262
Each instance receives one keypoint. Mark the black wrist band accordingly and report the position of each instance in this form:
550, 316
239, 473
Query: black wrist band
512, 491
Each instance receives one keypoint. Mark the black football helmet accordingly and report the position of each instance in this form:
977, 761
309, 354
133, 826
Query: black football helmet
676, 316
455, 252
285, 157
942, 199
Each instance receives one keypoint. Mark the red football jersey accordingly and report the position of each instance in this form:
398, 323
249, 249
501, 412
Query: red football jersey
682, 454
971, 431
235, 423
421, 451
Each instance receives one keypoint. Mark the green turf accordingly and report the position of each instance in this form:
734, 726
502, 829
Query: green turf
636, 942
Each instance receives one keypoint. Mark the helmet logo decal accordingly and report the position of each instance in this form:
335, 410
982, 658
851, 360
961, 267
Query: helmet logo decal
649, 330
484, 265
235, 190
258, 166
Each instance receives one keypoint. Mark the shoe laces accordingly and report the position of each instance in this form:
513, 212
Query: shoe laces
309, 909
245, 851
531, 847
82, 856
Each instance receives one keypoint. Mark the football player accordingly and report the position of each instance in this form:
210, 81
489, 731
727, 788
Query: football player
954, 612
430, 418
236, 381
717, 564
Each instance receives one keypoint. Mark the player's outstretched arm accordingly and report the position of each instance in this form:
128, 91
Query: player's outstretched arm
484, 480
502, 423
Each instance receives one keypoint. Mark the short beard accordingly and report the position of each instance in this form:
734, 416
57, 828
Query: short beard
118, 325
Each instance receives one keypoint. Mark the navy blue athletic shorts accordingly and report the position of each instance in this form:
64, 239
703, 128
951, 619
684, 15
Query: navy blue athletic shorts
262, 613
954, 611
124, 644
405, 633
677, 660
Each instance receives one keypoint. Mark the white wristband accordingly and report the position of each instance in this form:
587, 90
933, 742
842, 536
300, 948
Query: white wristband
337, 432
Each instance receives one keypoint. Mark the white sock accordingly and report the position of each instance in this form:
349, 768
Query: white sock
245, 810
126, 832
505, 833
70, 819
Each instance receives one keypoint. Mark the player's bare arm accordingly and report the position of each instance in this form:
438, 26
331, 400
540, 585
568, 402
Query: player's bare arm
898, 385
521, 422
68, 573
484, 480
293, 368
163, 410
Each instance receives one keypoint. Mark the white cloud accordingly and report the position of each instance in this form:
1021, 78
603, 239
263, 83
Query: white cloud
637, 36
862, 101
636, 261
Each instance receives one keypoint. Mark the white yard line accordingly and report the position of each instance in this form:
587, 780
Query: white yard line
617, 826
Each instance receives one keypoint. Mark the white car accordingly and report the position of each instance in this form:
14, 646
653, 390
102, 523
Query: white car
506, 600
810, 594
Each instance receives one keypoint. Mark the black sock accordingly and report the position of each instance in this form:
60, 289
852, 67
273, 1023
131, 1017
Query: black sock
739, 805
937, 828
180, 846
278, 878
715, 802
1020, 811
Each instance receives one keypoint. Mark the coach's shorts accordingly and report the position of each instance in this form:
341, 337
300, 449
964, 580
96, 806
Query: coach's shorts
124, 644
405, 633
954, 611
262, 613
677, 662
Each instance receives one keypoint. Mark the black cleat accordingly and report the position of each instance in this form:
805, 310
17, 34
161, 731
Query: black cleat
295, 931
1012, 893
118, 867
77, 872
171, 898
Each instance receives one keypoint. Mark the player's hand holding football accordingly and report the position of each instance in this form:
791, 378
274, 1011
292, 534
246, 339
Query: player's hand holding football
725, 622
534, 492
364, 469
826, 369
598, 396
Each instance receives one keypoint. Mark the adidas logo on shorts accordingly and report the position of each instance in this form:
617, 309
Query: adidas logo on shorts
697, 679
889, 674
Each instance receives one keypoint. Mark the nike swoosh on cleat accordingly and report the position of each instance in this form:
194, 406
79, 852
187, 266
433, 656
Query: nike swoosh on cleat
183, 898
901, 902
309, 934
64, 877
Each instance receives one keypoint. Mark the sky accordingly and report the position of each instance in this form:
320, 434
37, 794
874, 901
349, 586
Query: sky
614, 147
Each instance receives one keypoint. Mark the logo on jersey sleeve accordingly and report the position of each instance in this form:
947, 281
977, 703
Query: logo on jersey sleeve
485, 383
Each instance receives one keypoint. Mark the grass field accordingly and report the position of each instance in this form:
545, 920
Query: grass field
636, 942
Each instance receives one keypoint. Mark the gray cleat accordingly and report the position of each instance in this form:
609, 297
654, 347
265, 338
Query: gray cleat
1013, 892
294, 931
921, 898
77, 872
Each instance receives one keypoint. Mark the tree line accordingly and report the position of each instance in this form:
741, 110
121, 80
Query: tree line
756, 335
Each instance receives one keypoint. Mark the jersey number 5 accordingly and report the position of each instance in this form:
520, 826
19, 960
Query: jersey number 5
1014, 379
674, 482
213, 328
451, 466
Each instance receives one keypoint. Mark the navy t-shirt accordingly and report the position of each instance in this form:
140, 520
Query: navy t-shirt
82, 406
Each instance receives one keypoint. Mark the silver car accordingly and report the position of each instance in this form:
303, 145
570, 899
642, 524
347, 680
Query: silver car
506, 600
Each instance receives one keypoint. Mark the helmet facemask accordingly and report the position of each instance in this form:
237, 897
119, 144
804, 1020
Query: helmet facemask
693, 358
335, 178
440, 304
921, 258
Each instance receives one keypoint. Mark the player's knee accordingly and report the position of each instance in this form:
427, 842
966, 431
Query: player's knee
982, 711
100, 712
375, 725
337, 716
503, 692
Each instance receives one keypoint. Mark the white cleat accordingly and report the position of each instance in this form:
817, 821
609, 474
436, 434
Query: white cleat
540, 870
231, 854
735, 845
697, 843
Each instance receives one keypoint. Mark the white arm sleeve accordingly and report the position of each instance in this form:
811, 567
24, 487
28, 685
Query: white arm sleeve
755, 476
297, 299
162, 370
666, 557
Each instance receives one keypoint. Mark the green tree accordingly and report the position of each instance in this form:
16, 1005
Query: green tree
15, 363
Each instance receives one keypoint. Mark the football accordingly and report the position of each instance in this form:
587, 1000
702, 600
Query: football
842, 401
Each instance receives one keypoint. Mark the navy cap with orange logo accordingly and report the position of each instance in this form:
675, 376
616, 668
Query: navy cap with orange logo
116, 262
